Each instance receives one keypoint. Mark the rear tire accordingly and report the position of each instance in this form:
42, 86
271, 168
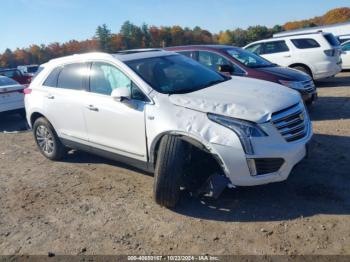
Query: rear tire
47, 140
169, 171
303, 69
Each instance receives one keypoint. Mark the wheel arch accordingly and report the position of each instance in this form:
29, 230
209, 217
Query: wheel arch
302, 65
34, 116
191, 139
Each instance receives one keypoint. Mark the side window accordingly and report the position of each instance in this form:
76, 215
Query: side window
305, 43
256, 48
104, 78
346, 47
52, 79
213, 61
72, 77
275, 47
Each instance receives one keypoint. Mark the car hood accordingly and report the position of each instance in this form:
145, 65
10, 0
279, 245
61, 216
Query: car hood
285, 73
243, 98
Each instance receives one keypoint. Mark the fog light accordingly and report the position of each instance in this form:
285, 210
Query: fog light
251, 166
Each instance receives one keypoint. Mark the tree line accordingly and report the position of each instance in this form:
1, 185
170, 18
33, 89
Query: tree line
132, 36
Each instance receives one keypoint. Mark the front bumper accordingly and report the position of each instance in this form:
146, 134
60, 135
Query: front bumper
309, 98
237, 165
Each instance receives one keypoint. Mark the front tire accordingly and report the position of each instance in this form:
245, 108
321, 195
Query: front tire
169, 171
47, 140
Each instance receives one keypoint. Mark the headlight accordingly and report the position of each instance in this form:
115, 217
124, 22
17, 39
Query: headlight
292, 84
244, 129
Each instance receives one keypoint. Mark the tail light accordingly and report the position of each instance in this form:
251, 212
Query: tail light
330, 52
27, 91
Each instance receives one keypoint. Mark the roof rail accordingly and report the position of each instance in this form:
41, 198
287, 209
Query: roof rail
135, 51
286, 34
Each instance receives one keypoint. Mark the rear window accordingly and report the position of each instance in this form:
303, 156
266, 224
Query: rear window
331, 39
32, 69
11, 73
305, 43
72, 77
52, 79
4, 81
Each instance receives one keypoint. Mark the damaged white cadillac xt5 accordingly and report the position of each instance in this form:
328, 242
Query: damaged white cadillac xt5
167, 114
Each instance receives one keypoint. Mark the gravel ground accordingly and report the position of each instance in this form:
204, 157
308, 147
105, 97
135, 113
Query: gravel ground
89, 205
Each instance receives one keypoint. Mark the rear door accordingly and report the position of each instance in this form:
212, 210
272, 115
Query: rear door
277, 52
64, 98
115, 126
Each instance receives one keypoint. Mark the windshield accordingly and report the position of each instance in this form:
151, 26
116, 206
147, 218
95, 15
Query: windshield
175, 74
249, 59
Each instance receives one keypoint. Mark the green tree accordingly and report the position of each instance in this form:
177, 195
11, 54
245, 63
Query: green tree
104, 37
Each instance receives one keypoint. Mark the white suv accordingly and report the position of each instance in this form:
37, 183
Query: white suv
165, 113
317, 54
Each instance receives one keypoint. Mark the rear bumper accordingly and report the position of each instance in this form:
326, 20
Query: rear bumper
326, 69
12, 106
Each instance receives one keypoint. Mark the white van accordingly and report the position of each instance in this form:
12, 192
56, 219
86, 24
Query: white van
317, 54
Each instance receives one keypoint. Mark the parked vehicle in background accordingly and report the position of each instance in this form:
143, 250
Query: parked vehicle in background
16, 75
317, 54
339, 30
28, 70
236, 61
11, 96
166, 113
345, 56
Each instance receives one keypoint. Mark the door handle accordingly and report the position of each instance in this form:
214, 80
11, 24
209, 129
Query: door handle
92, 108
286, 56
49, 96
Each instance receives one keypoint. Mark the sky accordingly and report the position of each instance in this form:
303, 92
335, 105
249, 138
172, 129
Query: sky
26, 22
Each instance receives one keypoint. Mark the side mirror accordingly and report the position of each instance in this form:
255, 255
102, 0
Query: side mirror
226, 69
119, 94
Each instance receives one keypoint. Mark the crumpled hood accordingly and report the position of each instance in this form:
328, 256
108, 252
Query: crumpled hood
240, 97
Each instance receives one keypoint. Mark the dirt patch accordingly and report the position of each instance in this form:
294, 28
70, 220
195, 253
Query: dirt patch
103, 207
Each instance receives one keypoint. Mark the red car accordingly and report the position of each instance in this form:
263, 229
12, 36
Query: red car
236, 61
16, 75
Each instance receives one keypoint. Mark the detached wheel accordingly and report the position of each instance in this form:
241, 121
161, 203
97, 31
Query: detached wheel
169, 171
303, 69
47, 140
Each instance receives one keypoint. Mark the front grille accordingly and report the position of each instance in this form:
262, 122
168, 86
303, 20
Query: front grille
267, 165
291, 122
309, 86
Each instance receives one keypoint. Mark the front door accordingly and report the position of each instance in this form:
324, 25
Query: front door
115, 126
